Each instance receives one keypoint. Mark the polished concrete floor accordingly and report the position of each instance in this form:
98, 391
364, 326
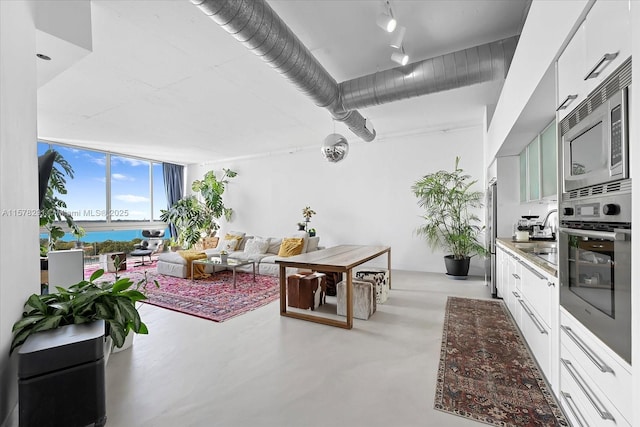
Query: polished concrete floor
261, 369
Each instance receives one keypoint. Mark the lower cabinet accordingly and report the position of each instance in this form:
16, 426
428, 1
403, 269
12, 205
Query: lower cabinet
538, 336
597, 384
530, 296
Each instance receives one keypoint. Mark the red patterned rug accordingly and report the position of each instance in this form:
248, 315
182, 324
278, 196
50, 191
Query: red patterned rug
213, 298
486, 372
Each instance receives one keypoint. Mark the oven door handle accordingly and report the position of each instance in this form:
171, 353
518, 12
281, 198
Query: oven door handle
609, 235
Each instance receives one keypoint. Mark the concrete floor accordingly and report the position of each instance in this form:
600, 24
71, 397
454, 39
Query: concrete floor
261, 369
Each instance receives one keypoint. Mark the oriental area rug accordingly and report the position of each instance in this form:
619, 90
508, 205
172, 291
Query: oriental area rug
486, 372
212, 298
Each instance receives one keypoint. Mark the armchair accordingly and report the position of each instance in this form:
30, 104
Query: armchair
151, 245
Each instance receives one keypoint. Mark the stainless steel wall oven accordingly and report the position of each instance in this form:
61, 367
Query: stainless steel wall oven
595, 270
595, 214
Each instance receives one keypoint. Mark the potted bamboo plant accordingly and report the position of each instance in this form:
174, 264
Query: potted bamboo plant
449, 219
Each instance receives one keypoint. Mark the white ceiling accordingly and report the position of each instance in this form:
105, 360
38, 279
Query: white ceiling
166, 82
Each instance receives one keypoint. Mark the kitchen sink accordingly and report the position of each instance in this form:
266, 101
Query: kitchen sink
544, 250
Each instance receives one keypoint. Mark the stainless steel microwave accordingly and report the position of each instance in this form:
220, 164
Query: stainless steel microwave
596, 150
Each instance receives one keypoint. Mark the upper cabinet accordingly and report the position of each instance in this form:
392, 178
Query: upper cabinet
539, 166
548, 160
599, 46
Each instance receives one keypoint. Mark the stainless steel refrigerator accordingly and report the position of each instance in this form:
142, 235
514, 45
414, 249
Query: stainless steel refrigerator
490, 237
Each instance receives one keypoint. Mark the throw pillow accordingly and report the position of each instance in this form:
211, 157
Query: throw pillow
256, 246
210, 242
291, 246
228, 245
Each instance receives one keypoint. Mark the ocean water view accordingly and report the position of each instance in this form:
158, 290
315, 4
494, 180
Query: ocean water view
101, 236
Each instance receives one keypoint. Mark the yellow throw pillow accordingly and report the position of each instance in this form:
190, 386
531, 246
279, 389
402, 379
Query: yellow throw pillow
291, 246
233, 236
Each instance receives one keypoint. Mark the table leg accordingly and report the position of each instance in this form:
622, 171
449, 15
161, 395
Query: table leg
234, 278
192, 278
349, 301
283, 290
254, 271
389, 266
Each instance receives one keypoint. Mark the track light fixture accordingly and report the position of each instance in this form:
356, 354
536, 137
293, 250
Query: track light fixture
385, 20
396, 42
400, 57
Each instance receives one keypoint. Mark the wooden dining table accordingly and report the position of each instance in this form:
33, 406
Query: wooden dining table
340, 259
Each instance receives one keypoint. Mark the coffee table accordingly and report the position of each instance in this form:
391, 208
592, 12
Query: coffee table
231, 263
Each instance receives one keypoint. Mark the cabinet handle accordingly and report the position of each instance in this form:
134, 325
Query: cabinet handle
568, 100
515, 294
573, 409
608, 57
533, 270
516, 276
595, 402
533, 317
603, 367
549, 284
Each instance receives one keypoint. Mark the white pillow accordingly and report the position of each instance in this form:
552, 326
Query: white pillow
274, 244
313, 243
228, 245
256, 246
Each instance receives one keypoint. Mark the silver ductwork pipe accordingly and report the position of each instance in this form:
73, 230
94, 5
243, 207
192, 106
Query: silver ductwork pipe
260, 29
478, 64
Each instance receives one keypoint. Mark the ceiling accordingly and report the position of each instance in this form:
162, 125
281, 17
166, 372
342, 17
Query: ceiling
164, 81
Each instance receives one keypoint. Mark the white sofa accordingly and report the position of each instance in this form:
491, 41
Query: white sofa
173, 264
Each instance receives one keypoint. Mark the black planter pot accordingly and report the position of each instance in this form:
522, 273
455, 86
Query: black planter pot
457, 268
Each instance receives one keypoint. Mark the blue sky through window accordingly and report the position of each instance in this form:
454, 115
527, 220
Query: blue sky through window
130, 186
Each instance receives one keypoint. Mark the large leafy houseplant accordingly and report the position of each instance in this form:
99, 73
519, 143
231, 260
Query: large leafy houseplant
194, 217
449, 219
53, 210
87, 301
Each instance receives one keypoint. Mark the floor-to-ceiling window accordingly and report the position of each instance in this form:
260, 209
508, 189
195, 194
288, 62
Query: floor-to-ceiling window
112, 196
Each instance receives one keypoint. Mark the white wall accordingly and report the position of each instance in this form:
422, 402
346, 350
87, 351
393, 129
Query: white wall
365, 199
19, 267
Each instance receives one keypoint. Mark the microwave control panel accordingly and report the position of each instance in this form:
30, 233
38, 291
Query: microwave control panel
616, 136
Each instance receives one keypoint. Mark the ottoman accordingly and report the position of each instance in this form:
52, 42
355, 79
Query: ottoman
381, 280
364, 301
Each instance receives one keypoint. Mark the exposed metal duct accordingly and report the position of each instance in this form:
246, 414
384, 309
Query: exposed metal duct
259, 28
478, 64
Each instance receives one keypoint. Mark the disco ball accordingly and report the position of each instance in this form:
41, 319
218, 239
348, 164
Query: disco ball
335, 147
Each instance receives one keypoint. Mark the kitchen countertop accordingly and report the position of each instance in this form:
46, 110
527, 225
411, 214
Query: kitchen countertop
547, 262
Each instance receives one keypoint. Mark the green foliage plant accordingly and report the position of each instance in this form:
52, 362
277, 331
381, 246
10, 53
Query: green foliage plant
53, 207
211, 190
192, 216
449, 221
87, 301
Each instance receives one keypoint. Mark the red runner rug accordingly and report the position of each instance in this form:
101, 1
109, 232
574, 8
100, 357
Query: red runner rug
486, 372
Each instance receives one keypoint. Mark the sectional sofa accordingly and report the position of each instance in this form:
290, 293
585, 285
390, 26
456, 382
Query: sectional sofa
263, 251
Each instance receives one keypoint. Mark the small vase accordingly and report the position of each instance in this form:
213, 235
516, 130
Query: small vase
223, 258
301, 227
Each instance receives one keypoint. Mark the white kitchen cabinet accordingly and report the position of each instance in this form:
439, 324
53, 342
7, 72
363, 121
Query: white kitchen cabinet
538, 336
599, 46
570, 72
607, 38
549, 160
607, 380
538, 166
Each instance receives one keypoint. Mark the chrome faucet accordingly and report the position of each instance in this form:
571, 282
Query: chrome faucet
546, 218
